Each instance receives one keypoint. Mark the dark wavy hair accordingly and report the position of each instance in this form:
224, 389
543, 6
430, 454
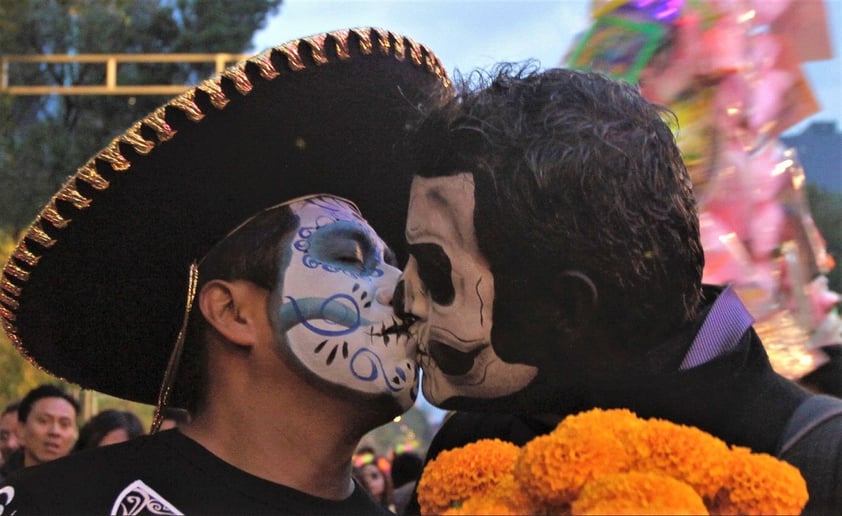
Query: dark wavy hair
92, 432
573, 171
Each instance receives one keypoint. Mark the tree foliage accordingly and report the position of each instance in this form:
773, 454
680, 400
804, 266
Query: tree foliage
43, 139
826, 210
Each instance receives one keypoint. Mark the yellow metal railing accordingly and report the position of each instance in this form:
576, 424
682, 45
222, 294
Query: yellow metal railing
111, 62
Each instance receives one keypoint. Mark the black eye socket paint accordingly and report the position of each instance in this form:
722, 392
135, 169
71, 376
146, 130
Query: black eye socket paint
434, 269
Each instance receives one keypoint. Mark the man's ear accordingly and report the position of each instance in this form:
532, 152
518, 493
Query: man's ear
230, 307
578, 300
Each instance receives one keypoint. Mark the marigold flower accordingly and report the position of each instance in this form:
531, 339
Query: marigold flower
683, 452
638, 492
762, 484
505, 499
554, 467
459, 474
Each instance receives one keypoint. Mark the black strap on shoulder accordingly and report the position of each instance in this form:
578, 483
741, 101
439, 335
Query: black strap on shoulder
814, 411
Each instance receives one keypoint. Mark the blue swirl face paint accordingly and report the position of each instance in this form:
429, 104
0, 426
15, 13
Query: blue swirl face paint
333, 310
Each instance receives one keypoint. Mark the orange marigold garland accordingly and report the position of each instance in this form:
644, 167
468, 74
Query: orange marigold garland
456, 475
610, 461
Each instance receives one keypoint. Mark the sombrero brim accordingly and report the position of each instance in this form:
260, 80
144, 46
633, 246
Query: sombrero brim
96, 289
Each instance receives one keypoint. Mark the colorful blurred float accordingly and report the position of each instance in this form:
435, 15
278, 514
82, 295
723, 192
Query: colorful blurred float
731, 72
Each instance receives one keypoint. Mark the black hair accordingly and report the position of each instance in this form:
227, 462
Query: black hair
41, 392
11, 407
251, 253
406, 467
573, 171
96, 428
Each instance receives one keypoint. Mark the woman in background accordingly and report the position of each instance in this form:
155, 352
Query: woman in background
377, 482
108, 427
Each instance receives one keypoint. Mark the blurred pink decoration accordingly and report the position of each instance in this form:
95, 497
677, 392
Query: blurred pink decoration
731, 71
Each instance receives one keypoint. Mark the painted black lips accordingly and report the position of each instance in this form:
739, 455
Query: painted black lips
450, 360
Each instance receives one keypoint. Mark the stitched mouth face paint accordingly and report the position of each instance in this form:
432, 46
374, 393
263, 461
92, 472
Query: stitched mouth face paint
334, 308
448, 287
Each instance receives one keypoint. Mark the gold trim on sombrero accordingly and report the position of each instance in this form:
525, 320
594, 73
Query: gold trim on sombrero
16, 272
343, 49
415, 51
264, 64
134, 138
365, 41
237, 75
293, 58
37, 234
71, 195
317, 45
47, 226
114, 157
400, 49
9, 287
89, 175
51, 215
22, 254
8, 301
158, 122
217, 97
383, 41
186, 102
8, 318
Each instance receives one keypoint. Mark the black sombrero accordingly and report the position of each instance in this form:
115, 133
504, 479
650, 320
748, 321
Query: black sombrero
95, 291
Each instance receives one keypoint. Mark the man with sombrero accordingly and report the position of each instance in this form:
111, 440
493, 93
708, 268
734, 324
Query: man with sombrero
209, 259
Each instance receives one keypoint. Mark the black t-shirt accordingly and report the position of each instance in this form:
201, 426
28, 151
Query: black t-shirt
165, 473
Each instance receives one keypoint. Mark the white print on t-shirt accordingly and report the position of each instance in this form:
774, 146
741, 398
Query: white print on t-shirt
139, 498
7, 494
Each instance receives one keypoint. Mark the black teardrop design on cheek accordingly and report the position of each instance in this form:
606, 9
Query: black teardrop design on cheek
344, 350
321, 346
332, 355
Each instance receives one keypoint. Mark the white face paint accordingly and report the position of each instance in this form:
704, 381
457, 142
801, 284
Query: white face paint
449, 287
333, 311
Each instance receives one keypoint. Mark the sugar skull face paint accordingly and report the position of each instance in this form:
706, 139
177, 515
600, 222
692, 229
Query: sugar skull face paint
333, 311
449, 287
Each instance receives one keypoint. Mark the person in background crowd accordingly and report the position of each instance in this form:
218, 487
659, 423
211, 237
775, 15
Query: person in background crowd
9, 430
378, 483
47, 427
108, 427
172, 417
406, 468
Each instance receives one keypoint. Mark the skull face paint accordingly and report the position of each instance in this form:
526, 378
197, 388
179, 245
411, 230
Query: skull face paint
333, 311
449, 287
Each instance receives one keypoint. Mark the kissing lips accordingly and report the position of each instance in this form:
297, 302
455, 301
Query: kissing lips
450, 360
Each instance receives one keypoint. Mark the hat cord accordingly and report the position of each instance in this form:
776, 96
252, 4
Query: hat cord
178, 349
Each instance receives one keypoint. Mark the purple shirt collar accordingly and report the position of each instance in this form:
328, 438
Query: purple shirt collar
724, 326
